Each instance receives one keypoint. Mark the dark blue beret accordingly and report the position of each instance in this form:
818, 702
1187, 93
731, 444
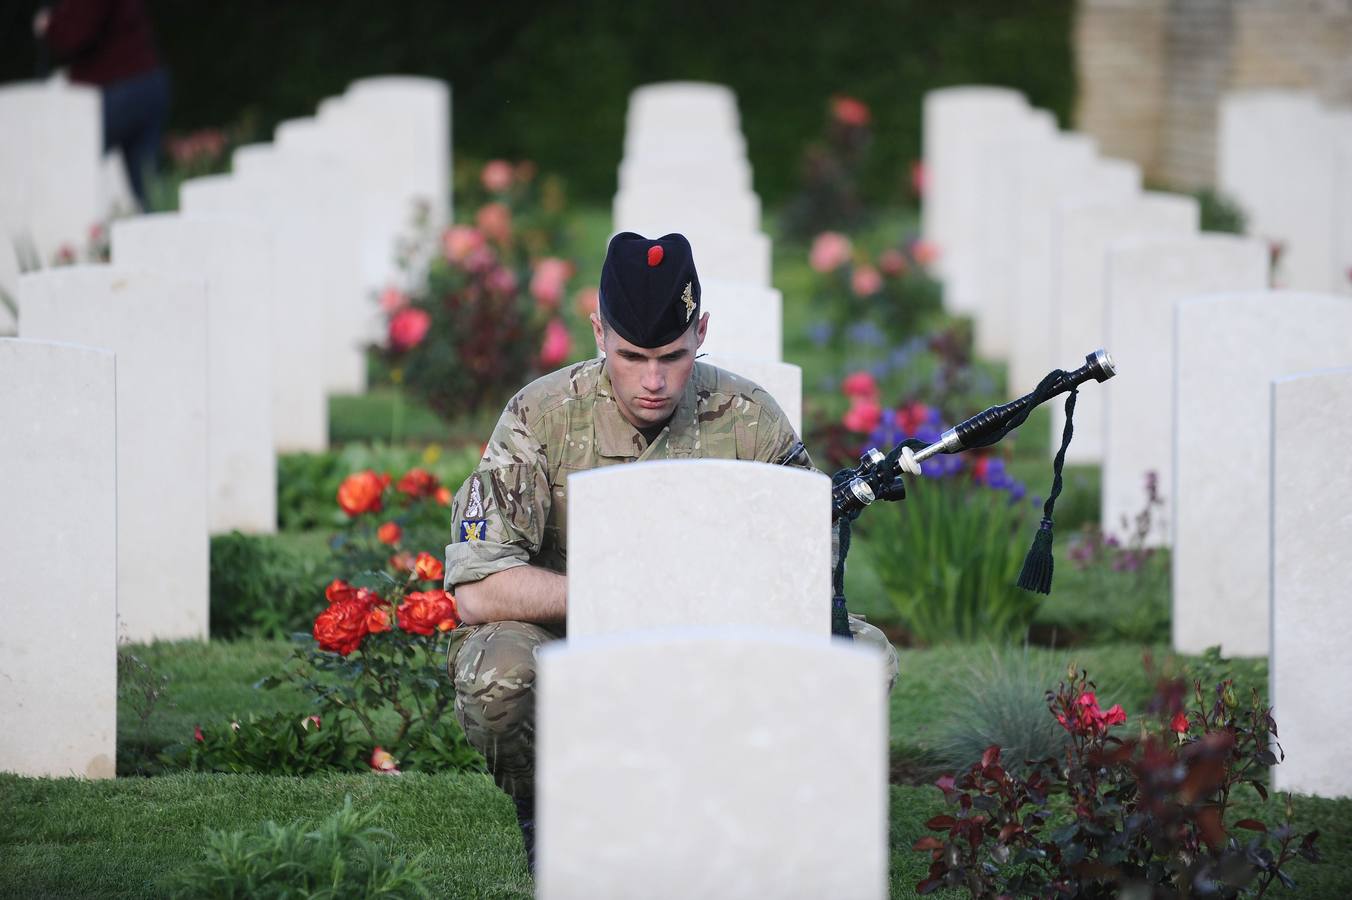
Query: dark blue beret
649, 289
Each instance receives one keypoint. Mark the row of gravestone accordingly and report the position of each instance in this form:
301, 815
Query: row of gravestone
685, 169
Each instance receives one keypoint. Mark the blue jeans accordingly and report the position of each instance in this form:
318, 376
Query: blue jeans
134, 112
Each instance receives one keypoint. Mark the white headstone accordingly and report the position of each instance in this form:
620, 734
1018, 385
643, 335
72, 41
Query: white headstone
662, 103
1228, 348
730, 763
116, 198
50, 166
957, 121
157, 326
784, 514
1043, 185
1084, 232
719, 175
300, 408
407, 125
1342, 225
1145, 279
1275, 156
669, 199
58, 432
313, 188
782, 381
234, 258
745, 320
1311, 571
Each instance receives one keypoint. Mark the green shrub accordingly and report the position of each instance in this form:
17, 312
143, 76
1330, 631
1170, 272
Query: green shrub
949, 556
259, 588
279, 744
1220, 212
346, 855
1003, 701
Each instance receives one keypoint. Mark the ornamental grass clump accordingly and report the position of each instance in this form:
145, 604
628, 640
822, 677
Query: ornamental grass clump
346, 855
485, 313
1118, 813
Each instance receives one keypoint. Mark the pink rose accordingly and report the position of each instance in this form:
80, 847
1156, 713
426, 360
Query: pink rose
496, 176
863, 416
892, 262
459, 241
865, 281
557, 344
495, 221
408, 327
925, 252
586, 301
392, 299
830, 250
860, 386
918, 177
501, 280
849, 111
546, 284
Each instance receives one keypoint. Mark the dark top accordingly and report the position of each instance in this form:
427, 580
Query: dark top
102, 41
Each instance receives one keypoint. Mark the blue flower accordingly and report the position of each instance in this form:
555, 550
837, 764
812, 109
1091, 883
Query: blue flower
820, 333
866, 333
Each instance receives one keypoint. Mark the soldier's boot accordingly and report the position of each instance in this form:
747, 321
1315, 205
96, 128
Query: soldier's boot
525, 818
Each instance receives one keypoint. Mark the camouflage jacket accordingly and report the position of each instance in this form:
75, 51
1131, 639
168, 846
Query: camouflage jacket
512, 511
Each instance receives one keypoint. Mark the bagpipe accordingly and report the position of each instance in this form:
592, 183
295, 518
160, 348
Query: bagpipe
878, 475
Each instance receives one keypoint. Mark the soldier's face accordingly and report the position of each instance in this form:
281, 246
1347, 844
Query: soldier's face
649, 381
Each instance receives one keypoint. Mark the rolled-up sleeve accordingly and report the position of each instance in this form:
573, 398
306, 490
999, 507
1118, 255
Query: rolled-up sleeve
500, 510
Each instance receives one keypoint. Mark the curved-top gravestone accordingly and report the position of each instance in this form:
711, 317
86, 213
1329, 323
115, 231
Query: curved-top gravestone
1228, 349
157, 326
736, 543
745, 320
58, 551
234, 258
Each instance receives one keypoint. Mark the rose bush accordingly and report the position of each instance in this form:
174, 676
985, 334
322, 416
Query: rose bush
485, 314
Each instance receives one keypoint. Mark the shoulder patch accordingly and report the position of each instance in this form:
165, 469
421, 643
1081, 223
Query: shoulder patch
471, 530
474, 505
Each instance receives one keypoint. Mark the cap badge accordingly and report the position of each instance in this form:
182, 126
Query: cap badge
688, 298
655, 255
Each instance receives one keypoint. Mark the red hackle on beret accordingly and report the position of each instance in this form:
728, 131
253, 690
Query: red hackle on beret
655, 254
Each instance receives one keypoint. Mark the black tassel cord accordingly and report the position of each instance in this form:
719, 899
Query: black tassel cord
1036, 574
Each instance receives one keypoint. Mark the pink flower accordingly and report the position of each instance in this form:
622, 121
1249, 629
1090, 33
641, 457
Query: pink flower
849, 111
501, 280
408, 328
865, 281
830, 250
892, 262
925, 252
586, 301
496, 176
546, 284
197, 734
480, 260
918, 175
495, 221
459, 241
911, 416
557, 344
306, 722
860, 386
863, 416
392, 299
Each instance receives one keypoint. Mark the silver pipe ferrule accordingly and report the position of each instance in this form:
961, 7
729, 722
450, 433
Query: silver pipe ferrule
948, 442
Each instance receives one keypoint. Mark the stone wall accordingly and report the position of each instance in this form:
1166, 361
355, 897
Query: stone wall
1151, 72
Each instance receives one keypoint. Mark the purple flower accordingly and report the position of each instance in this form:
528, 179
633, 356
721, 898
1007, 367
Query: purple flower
820, 333
866, 333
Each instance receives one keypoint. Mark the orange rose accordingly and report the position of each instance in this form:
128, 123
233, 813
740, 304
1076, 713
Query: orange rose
427, 612
418, 483
339, 589
443, 495
377, 620
428, 567
402, 562
389, 533
341, 627
361, 492
383, 762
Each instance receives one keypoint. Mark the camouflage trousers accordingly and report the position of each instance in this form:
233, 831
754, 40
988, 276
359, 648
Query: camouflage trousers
493, 668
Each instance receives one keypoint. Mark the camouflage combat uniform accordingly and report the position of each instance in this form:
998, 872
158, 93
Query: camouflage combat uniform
512, 511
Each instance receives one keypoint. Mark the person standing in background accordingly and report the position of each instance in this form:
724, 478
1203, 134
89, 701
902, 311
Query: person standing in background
109, 44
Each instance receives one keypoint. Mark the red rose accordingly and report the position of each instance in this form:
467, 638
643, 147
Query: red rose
427, 612
860, 386
443, 496
1179, 723
408, 327
361, 493
863, 416
341, 627
418, 483
849, 111
389, 533
428, 567
339, 589
377, 620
